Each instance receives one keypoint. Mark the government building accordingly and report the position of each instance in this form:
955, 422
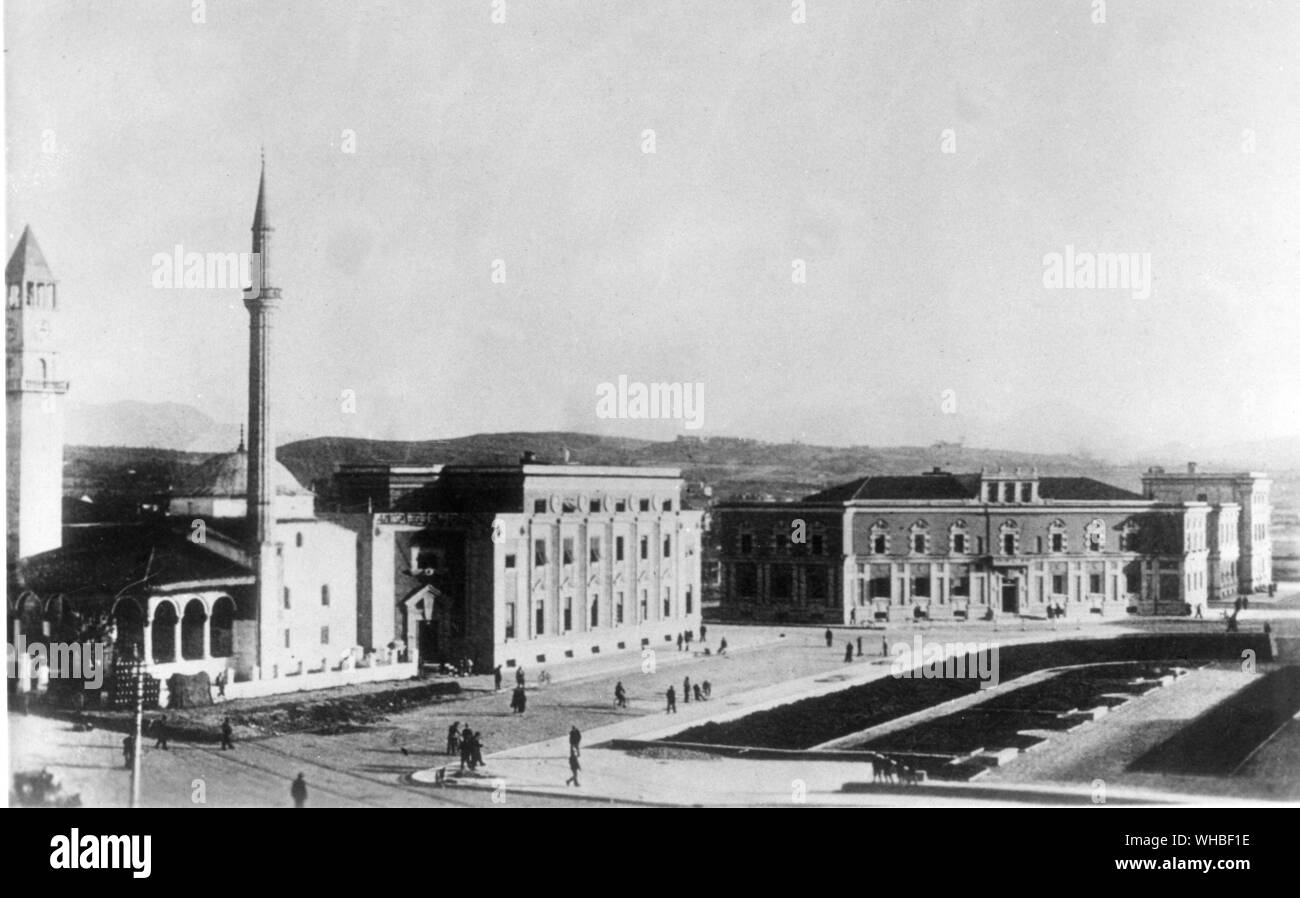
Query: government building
525, 564
946, 545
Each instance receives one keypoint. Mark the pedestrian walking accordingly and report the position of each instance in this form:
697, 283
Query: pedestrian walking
574, 767
708, 689
160, 730
848, 651
222, 679
128, 750
519, 678
830, 637
679, 642
686, 690
703, 631
496, 678
575, 740
453, 739
466, 748
620, 695
227, 732
299, 791
519, 701
699, 694
853, 616
672, 701
884, 645
722, 646
476, 750
859, 646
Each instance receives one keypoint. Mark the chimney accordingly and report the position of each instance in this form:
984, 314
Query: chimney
1191, 467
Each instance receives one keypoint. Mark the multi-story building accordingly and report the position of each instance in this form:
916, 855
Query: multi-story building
1252, 558
962, 545
530, 564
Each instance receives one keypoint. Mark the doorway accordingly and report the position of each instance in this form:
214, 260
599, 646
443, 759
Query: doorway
1010, 596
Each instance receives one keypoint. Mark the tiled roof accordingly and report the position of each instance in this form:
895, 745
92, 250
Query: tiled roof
109, 558
945, 486
27, 260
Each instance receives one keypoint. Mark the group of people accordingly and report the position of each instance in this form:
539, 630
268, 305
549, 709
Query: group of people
701, 691
467, 743
1055, 611
684, 640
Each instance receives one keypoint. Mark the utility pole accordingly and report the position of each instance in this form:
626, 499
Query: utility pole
137, 747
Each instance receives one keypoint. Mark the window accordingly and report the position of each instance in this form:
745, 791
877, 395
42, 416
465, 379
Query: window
566, 550
668, 601
818, 544
1095, 583
782, 582
286, 598
979, 545
668, 505
645, 604
1058, 542
325, 594
959, 543
878, 544
618, 609
569, 506
918, 543
1058, 583
689, 603
568, 613
539, 552
618, 548
921, 581
595, 610
297, 540
324, 635
668, 547
620, 505
960, 581
540, 627
880, 581
747, 581
594, 506
510, 560
992, 493
816, 582
593, 550
1038, 544
746, 543
510, 620
1008, 492
1008, 544
539, 506
286, 639
1026, 492
645, 548
644, 505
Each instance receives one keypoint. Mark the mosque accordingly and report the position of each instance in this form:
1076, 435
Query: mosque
242, 579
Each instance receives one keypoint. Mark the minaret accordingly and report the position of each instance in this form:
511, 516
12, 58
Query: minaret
33, 403
261, 300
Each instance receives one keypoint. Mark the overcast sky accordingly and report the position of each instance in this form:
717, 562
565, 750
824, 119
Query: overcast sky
1172, 129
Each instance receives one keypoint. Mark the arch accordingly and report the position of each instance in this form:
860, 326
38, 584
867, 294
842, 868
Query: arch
129, 622
222, 627
193, 623
31, 615
162, 633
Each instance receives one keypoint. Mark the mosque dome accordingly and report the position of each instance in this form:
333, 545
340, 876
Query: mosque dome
225, 476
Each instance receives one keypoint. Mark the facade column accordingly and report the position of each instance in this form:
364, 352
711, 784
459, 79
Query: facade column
207, 636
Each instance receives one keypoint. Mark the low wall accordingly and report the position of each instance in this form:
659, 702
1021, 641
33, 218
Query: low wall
323, 680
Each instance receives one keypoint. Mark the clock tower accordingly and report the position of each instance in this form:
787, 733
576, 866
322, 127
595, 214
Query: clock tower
34, 388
